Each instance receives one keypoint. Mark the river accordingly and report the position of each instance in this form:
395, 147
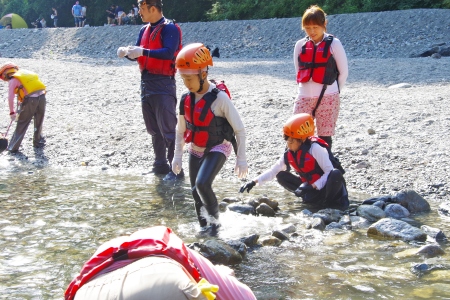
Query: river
53, 219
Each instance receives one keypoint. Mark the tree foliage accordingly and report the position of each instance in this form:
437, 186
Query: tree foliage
207, 10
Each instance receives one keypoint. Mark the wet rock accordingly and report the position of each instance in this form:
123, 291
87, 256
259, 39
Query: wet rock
253, 202
329, 215
265, 210
388, 228
288, 228
432, 250
272, 203
370, 213
242, 209
333, 225
238, 246
270, 241
371, 201
231, 200
345, 220
359, 222
220, 252
223, 206
317, 223
280, 235
444, 209
306, 213
435, 233
251, 240
380, 204
396, 211
412, 201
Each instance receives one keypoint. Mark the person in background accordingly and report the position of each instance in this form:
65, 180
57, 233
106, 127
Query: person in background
54, 16
76, 13
318, 183
154, 264
110, 14
43, 22
31, 102
83, 15
322, 69
156, 47
208, 123
136, 10
119, 14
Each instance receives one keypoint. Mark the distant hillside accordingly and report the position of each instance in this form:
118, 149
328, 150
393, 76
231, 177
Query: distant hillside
370, 35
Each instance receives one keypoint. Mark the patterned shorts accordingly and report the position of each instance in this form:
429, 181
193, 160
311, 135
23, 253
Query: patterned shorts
326, 114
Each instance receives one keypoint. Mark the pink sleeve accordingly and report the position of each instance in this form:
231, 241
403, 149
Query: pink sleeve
229, 287
13, 84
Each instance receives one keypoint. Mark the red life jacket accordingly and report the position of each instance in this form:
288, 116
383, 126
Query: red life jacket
304, 163
203, 128
158, 240
152, 40
317, 62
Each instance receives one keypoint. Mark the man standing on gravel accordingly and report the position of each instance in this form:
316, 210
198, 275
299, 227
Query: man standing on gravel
156, 48
76, 13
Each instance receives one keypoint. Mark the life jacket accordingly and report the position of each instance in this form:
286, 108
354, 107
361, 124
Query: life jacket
203, 128
158, 240
305, 164
317, 62
153, 40
30, 81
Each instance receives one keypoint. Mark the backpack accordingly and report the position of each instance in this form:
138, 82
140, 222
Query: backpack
220, 84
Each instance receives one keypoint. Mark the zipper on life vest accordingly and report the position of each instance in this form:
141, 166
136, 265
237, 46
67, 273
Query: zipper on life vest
313, 60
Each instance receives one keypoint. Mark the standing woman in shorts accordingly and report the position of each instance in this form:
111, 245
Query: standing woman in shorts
322, 70
55, 17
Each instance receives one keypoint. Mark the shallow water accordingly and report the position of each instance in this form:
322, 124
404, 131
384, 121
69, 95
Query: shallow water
52, 220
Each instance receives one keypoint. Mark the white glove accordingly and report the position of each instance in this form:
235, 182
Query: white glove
176, 165
122, 51
241, 169
13, 117
134, 52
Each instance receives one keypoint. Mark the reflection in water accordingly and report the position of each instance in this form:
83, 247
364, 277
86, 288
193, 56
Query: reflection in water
54, 219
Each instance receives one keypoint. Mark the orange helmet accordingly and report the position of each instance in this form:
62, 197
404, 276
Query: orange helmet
7, 69
193, 58
299, 126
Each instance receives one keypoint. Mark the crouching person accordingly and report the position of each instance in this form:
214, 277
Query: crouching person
318, 183
153, 263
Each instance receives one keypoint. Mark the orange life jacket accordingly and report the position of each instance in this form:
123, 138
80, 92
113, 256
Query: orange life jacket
153, 40
158, 240
317, 62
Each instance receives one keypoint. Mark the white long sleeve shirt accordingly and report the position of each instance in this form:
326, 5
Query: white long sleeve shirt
221, 107
319, 153
311, 88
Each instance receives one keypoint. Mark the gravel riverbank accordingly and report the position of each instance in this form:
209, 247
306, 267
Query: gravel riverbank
394, 111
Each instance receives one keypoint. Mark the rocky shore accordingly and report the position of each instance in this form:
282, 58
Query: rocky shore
391, 131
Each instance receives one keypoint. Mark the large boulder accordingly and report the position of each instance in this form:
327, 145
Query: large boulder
388, 228
412, 201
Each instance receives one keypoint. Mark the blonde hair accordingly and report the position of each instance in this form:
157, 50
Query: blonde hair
314, 15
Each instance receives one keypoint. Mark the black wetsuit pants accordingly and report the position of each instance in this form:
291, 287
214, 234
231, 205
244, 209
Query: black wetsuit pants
332, 195
202, 172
